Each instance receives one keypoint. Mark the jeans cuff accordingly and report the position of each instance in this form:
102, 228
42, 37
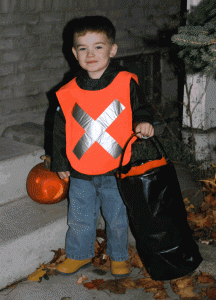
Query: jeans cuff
118, 258
78, 257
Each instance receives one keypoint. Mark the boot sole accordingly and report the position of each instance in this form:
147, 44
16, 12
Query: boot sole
82, 267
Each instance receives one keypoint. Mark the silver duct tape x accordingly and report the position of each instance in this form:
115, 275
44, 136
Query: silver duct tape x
95, 130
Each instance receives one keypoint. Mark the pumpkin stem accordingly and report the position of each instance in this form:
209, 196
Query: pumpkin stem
47, 161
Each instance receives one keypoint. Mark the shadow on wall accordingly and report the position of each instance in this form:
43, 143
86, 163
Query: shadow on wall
51, 94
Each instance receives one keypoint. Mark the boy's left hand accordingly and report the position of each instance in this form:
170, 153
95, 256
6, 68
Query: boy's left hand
145, 129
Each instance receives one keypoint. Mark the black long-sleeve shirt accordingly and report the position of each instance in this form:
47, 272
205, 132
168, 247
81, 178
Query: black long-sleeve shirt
141, 112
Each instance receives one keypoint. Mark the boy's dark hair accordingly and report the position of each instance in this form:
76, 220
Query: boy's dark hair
94, 24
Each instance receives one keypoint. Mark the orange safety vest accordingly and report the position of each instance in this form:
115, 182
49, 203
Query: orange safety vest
98, 124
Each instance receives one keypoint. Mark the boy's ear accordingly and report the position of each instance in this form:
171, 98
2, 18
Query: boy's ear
74, 52
113, 50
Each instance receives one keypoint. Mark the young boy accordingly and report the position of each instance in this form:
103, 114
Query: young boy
99, 109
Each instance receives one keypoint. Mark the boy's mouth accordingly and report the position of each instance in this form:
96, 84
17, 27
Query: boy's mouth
91, 62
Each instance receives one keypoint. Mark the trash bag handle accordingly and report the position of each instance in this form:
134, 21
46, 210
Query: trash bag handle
153, 139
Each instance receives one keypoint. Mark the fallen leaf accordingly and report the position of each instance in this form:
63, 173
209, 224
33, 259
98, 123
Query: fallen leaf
101, 233
213, 204
140, 283
151, 290
136, 261
183, 287
209, 198
183, 281
128, 283
214, 233
161, 295
96, 261
189, 207
50, 266
211, 293
206, 242
37, 275
131, 251
187, 292
61, 258
153, 285
145, 273
186, 201
205, 278
114, 286
82, 279
105, 265
94, 284
97, 246
60, 252
200, 220
210, 185
148, 283
205, 206
100, 257
214, 215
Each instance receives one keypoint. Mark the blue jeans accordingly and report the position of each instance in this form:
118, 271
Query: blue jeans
85, 199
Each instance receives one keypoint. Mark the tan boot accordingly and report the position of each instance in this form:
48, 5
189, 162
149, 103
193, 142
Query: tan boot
120, 268
71, 266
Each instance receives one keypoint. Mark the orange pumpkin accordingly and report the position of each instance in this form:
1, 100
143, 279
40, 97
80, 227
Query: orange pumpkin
44, 186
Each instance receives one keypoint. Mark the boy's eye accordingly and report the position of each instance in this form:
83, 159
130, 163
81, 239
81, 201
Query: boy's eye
82, 49
99, 47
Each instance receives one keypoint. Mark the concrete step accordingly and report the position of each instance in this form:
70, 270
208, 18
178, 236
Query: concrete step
16, 161
29, 231
28, 133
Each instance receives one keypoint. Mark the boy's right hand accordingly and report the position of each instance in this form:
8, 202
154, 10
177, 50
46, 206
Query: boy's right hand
63, 175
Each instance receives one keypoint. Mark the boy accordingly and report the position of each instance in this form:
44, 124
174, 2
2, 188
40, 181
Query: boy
98, 111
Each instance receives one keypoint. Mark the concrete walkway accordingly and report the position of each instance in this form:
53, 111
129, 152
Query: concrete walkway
65, 287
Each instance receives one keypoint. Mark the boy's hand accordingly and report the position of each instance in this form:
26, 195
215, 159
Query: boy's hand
145, 129
63, 175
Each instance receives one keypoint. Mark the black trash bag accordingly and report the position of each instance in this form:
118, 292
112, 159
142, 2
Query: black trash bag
157, 216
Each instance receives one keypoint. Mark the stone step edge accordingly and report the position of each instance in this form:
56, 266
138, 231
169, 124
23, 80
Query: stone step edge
14, 173
29, 232
22, 256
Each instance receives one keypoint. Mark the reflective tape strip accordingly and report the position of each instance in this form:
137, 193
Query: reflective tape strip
95, 130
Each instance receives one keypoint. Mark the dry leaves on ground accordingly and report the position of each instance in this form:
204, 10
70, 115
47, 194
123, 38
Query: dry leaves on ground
195, 287
82, 279
202, 220
94, 284
205, 278
189, 287
211, 293
119, 286
184, 287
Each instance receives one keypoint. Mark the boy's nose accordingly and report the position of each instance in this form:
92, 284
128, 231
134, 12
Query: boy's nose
90, 53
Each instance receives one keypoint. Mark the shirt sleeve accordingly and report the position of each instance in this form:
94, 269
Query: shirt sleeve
142, 111
60, 162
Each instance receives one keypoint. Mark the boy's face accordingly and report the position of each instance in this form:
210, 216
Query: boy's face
93, 52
